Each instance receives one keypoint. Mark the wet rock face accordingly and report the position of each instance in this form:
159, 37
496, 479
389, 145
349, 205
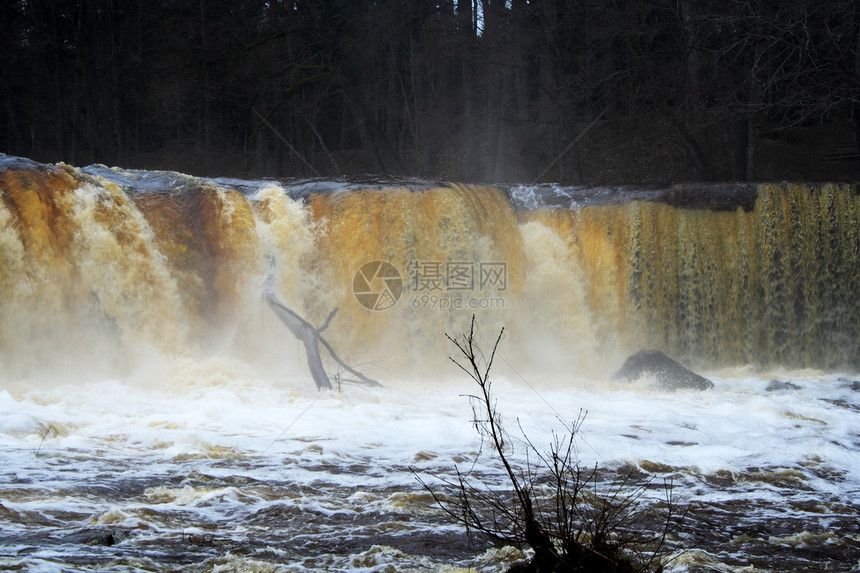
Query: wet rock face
777, 385
669, 374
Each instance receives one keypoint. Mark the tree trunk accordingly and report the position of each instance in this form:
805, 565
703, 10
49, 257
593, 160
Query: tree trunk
739, 173
206, 112
855, 105
750, 174
304, 331
57, 73
260, 154
312, 339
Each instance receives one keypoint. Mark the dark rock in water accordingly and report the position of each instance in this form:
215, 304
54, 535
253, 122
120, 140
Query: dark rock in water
98, 537
781, 385
669, 374
853, 384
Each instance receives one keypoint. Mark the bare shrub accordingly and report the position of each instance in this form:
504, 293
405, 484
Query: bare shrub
554, 506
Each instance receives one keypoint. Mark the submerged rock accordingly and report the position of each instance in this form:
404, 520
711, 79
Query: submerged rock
849, 383
669, 374
98, 537
775, 385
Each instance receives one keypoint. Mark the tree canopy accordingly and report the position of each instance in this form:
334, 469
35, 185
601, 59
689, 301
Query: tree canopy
492, 90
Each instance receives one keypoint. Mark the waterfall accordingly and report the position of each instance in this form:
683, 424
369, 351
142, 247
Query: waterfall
104, 270
773, 284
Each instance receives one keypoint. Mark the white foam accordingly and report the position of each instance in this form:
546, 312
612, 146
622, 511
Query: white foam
363, 440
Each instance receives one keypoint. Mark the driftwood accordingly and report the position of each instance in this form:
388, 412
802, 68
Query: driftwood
312, 338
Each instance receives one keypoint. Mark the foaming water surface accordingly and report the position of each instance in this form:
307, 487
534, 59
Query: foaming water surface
218, 469
155, 415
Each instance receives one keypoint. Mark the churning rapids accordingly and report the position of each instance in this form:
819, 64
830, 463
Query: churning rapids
156, 416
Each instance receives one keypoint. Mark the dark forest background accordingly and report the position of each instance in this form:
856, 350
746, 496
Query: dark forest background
575, 91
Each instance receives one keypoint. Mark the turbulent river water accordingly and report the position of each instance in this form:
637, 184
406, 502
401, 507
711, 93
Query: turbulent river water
155, 415
213, 469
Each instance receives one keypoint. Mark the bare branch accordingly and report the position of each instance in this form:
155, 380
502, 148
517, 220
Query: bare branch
554, 505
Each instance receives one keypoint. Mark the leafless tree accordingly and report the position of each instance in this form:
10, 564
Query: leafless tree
554, 505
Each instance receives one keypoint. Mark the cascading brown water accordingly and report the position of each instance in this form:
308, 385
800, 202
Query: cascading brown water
101, 275
775, 284
428, 237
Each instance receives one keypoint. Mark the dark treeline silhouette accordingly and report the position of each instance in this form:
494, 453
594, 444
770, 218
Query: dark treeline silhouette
518, 90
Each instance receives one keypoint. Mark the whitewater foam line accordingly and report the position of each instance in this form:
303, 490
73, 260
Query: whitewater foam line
567, 426
296, 419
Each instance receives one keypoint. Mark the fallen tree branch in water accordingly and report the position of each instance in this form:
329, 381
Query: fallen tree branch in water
312, 338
